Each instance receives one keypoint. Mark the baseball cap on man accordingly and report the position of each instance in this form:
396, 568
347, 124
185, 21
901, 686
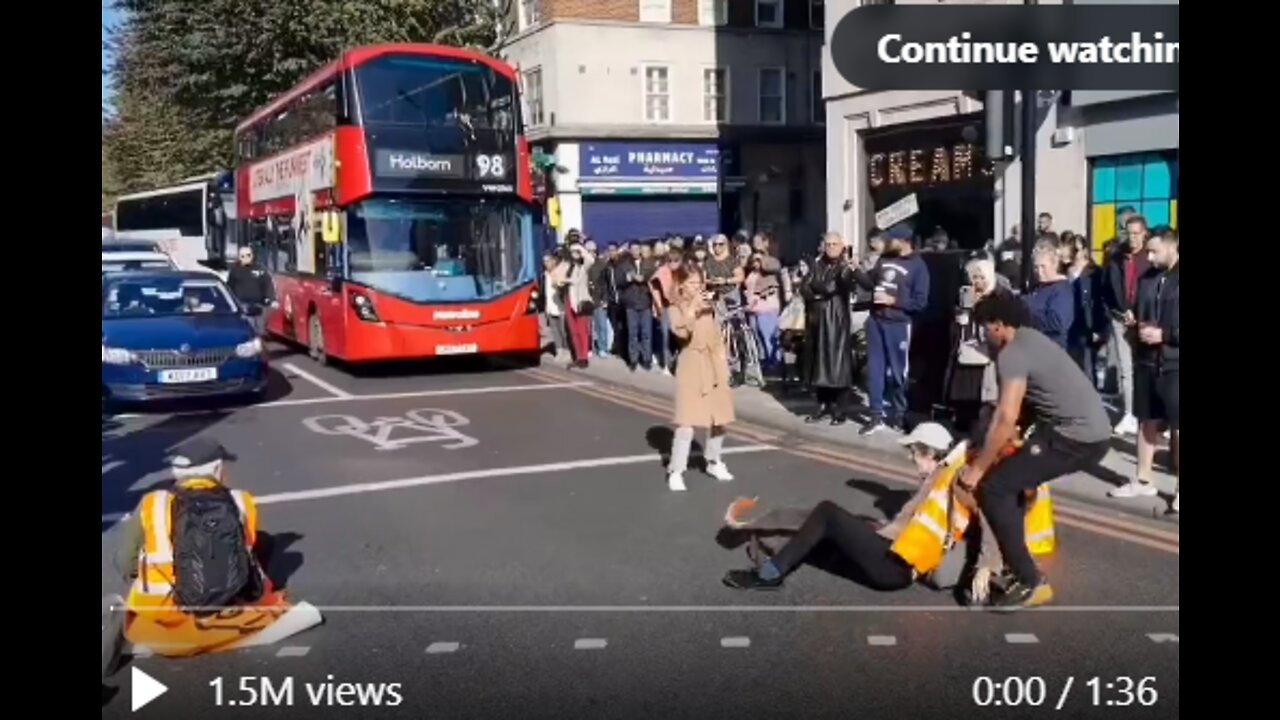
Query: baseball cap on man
929, 434
199, 451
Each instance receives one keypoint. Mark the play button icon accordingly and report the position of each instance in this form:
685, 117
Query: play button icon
145, 688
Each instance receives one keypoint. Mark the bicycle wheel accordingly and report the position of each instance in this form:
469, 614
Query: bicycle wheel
731, 353
752, 372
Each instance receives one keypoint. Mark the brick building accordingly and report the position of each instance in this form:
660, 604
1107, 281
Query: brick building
685, 116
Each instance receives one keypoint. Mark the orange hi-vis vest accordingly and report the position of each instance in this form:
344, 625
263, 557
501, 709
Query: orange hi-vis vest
940, 521
153, 587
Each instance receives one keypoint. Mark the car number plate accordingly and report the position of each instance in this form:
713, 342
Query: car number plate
457, 349
188, 375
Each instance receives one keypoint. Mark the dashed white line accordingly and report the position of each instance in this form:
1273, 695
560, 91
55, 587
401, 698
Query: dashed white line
325, 385
1021, 638
735, 642
293, 651
882, 640
590, 644
437, 648
1163, 637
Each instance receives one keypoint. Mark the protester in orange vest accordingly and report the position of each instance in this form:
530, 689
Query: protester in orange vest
879, 555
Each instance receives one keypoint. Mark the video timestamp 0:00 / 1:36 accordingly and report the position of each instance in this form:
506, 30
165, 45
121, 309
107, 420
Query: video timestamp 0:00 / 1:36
1035, 691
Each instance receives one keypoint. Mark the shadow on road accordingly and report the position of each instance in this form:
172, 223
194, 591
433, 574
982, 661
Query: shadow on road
273, 551
887, 500
462, 365
660, 438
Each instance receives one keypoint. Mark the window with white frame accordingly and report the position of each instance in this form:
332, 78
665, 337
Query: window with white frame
715, 94
772, 105
657, 93
528, 13
713, 12
817, 106
533, 96
769, 13
655, 11
816, 10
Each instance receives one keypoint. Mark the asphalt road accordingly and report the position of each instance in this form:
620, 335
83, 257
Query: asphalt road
519, 556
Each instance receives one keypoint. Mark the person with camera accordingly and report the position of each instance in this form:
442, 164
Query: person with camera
703, 397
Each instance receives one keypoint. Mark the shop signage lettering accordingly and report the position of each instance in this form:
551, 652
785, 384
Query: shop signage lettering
644, 161
938, 165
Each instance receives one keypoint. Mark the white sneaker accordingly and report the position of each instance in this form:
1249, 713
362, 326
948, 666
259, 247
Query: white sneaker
719, 471
1135, 489
675, 482
1128, 425
666, 372
1174, 505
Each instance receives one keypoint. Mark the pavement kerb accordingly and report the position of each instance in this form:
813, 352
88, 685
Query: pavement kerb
760, 428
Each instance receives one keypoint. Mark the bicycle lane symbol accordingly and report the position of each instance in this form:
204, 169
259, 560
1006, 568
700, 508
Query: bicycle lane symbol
427, 425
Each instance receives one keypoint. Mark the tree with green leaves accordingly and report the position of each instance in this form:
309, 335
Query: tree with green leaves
186, 71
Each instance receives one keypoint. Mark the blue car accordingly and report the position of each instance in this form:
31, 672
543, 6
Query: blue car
174, 334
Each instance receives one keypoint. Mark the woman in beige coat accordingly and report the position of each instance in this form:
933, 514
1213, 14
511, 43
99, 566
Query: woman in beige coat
703, 397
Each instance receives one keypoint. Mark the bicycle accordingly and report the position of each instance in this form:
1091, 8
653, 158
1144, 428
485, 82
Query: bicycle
740, 341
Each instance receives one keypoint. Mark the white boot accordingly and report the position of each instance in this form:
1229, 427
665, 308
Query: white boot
675, 482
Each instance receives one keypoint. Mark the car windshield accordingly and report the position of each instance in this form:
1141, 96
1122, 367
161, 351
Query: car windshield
165, 296
131, 246
423, 92
452, 249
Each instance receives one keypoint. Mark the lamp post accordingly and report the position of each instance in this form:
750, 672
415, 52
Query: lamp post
1030, 103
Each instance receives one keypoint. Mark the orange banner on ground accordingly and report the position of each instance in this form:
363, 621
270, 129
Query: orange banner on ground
172, 633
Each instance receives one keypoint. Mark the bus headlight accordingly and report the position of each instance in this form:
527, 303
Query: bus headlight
532, 307
363, 307
116, 356
251, 348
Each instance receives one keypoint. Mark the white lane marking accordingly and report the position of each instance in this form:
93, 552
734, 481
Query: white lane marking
590, 644
437, 648
1163, 638
361, 488
882, 640
1021, 639
293, 651
424, 425
1144, 609
325, 385
376, 396
735, 642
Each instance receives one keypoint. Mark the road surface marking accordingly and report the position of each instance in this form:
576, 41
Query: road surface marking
293, 651
376, 396
425, 425
1163, 637
1021, 639
882, 640
436, 648
590, 644
325, 385
1128, 609
735, 642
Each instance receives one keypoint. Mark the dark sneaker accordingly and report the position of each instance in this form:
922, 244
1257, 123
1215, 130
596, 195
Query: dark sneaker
1020, 595
823, 412
749, 580
873, 427
839, 419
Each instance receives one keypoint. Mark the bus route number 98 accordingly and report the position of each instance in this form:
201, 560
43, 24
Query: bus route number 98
491, 166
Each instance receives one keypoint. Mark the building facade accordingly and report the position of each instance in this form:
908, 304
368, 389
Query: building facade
677, 116
1097, 152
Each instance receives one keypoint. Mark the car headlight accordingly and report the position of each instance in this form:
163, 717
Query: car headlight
252, 348
116, 356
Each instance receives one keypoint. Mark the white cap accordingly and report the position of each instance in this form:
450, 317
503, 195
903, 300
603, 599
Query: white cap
931, 435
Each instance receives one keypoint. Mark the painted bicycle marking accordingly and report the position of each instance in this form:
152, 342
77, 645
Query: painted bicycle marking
427, 425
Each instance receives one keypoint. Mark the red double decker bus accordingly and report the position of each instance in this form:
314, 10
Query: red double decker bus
389, 193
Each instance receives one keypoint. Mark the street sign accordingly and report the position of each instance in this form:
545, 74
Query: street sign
897, 212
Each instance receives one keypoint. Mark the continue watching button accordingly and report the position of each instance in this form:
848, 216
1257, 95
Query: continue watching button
145, 689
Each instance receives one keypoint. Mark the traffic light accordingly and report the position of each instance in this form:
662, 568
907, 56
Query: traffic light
998, 117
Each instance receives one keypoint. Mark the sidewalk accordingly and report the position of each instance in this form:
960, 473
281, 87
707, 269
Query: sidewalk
785, 412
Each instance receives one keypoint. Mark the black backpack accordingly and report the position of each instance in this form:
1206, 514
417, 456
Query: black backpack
211, 563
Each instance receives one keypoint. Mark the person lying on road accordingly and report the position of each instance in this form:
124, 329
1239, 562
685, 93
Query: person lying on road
911, 547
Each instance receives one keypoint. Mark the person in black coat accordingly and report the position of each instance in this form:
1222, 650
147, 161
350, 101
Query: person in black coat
1090, 325
828, 330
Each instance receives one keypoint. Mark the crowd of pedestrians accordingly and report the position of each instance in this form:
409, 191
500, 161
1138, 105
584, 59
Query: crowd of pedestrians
836, 312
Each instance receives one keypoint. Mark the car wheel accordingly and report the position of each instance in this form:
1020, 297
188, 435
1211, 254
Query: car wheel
315, 340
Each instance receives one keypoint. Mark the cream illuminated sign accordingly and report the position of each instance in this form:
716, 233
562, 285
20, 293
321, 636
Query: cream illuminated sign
939, 165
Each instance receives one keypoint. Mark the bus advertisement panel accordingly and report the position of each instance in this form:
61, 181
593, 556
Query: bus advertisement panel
389, 194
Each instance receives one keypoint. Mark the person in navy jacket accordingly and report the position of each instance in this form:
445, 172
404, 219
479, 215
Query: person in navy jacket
899, 283
1052, 303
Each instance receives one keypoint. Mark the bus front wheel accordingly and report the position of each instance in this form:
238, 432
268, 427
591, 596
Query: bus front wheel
315, 340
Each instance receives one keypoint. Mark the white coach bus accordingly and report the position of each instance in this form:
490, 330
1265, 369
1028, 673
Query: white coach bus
190, 220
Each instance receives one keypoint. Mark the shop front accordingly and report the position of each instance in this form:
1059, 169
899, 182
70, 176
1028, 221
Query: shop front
641, 190
941, 163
